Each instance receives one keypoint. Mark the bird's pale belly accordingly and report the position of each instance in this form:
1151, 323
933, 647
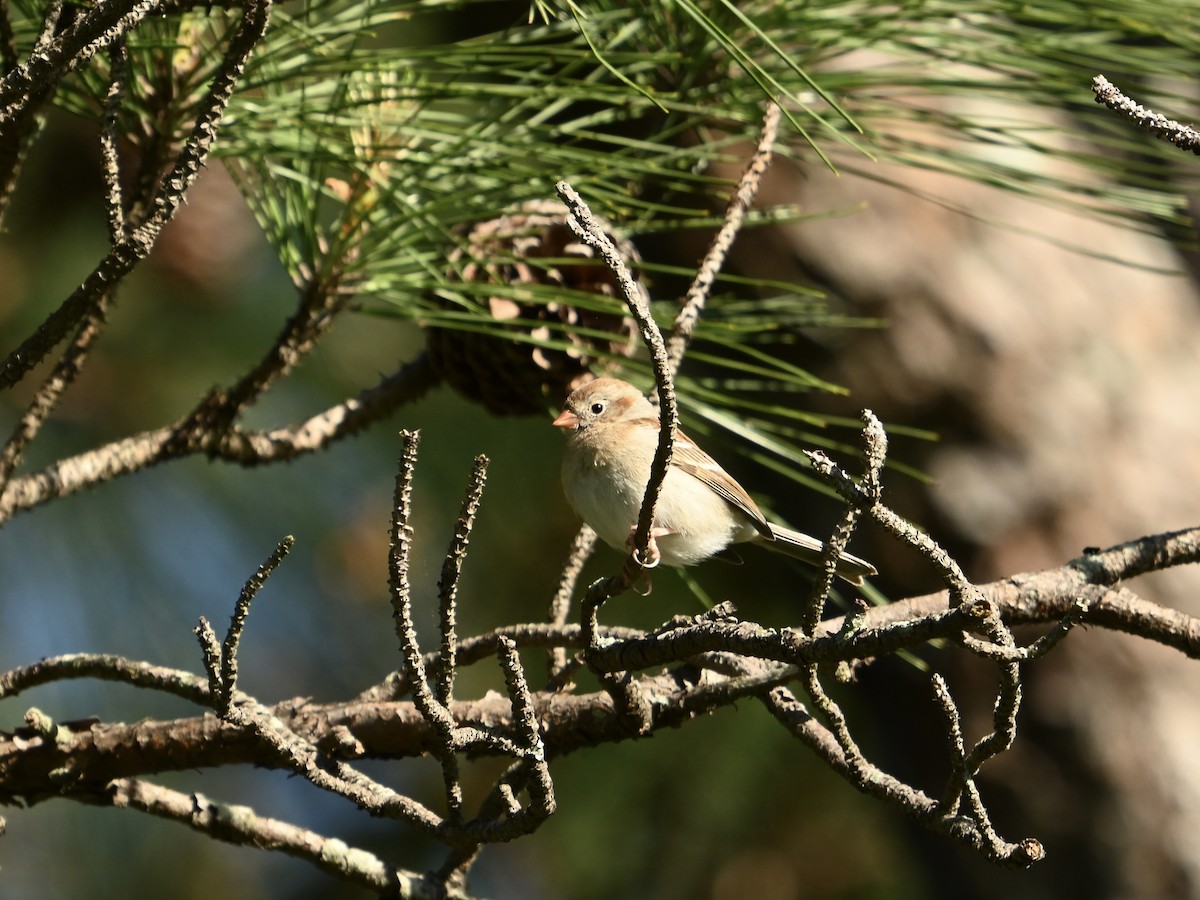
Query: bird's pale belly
687, 518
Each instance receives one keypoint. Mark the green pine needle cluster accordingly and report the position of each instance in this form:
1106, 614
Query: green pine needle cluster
367, 135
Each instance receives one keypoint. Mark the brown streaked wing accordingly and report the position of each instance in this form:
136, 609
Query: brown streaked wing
689, 457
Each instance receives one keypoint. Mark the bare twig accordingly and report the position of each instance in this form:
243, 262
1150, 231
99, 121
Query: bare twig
590, 231
560, 604
50, 25
624, 691
868, 496
60, 51
15, 140
398, 564
248, 448
97, 29
50, 392
240, 825
451, 737
241, 610
983, 614
448, 583
735, 215
1185, 137
114, 195
868, 502
288, 748
793, 716
1038, 648
1094, 578
528, 733
105, 667
211, 651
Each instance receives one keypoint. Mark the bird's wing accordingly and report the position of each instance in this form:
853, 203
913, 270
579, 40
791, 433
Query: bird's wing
691, 459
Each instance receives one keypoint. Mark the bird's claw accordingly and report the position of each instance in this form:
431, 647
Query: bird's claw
653, 557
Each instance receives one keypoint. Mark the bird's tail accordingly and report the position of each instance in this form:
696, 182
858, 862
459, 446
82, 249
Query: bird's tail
809, 549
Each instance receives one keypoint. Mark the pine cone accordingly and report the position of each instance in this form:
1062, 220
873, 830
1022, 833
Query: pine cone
514, 377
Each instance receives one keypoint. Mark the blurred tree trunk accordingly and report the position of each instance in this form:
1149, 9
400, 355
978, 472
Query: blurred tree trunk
1064, 389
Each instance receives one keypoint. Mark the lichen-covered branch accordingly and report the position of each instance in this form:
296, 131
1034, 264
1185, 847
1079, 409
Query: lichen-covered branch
1185, 137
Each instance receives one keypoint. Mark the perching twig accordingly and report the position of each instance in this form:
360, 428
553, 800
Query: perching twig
633, 705
592, 233
666, 356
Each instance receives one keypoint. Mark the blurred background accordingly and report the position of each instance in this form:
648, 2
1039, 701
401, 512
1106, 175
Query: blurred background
1054, 353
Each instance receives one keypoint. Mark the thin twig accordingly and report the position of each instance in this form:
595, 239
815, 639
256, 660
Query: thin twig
452, 565
525, 723
1185, 137
211, 651
633, 706
952, 799
631, 703
50, 19
401, 595
875, 455
560, 605
962, 779
111, 163
137, 242
302, 756
248, 448
1008, 698
1038, 648
983, 615
16, 140
793, 716
66, 370
105, 667
948, 568
451, 738
240, 825
241, 611
735, 215
61, 50
584, 224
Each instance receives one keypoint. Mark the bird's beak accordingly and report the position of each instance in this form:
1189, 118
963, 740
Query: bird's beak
566, 419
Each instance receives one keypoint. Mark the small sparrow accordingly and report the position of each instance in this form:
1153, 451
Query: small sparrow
612, 434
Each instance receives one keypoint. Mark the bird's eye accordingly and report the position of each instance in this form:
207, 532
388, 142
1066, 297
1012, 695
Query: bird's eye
597, 408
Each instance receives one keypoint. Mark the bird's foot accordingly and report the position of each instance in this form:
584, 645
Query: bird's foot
653, 557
